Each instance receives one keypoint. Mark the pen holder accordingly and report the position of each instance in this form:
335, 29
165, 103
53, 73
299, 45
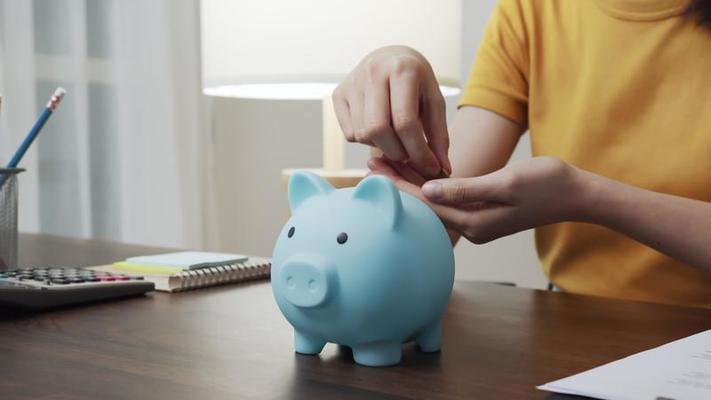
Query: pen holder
8, 218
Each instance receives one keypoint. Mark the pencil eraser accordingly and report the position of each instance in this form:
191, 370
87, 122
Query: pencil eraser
60, 92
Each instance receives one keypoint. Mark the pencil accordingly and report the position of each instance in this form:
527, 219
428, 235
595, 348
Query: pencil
52, 105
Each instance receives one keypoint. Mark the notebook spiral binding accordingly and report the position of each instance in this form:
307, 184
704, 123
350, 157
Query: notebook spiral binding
252, 269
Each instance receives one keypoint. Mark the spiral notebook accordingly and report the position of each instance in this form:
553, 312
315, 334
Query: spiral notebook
171, 281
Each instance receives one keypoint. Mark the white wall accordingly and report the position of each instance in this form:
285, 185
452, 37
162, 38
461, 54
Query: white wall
286, 40
511, 259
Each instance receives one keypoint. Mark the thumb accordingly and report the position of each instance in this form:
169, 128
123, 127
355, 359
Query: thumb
486, 188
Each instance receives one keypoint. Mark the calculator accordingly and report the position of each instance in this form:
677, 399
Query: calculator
40, 288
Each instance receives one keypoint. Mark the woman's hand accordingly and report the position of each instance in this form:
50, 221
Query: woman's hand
392, 101
523, 195
544, 190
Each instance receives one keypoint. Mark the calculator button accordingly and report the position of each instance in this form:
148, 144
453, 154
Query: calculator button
123, 278
137, 278
60, 281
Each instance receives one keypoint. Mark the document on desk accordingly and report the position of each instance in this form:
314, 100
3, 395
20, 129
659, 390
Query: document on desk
680, 370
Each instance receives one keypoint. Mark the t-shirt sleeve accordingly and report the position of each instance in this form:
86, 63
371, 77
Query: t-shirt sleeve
499, 78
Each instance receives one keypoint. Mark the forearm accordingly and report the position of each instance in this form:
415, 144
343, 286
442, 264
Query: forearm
676, 226
482, 142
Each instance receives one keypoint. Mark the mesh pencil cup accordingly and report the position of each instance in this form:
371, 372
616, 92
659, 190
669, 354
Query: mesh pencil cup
8, 218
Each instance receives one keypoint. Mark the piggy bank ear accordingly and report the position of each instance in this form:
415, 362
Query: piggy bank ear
383, 194
304, 185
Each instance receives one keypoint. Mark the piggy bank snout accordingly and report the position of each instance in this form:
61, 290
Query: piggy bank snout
304, 284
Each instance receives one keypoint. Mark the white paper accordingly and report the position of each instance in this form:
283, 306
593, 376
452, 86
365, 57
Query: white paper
680, 370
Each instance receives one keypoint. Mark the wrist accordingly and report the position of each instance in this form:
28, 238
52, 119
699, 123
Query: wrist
594, 197
584, 190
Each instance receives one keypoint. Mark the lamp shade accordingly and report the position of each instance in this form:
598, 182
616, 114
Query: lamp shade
294, 41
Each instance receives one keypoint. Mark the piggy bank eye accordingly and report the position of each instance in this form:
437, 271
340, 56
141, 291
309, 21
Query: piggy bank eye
291, 232
342, 238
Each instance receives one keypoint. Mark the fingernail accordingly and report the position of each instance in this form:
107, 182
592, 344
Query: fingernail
371, 163
432, 190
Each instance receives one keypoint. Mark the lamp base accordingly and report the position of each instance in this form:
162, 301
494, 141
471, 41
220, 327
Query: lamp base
338, 178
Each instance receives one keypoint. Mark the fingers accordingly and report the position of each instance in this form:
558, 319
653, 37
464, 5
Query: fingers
489, 223
378, 129
379, 166
434, 120
384, 167
479, 222
395, 168
378, 104
343, 114
487, 188
407, 172
451, 217
356, 105
404, 103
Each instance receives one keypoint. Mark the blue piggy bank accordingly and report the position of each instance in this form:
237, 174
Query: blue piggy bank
368, 267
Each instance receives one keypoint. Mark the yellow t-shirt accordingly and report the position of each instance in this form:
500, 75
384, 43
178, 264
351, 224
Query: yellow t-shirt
621, 88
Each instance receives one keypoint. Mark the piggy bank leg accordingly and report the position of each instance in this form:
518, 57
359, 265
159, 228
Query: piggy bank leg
430, 339
379, 354
306, 344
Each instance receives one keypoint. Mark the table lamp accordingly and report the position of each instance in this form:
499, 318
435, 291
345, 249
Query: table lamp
333, 150
269, 68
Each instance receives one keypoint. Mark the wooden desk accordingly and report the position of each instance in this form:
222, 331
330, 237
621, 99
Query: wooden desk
231, 342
